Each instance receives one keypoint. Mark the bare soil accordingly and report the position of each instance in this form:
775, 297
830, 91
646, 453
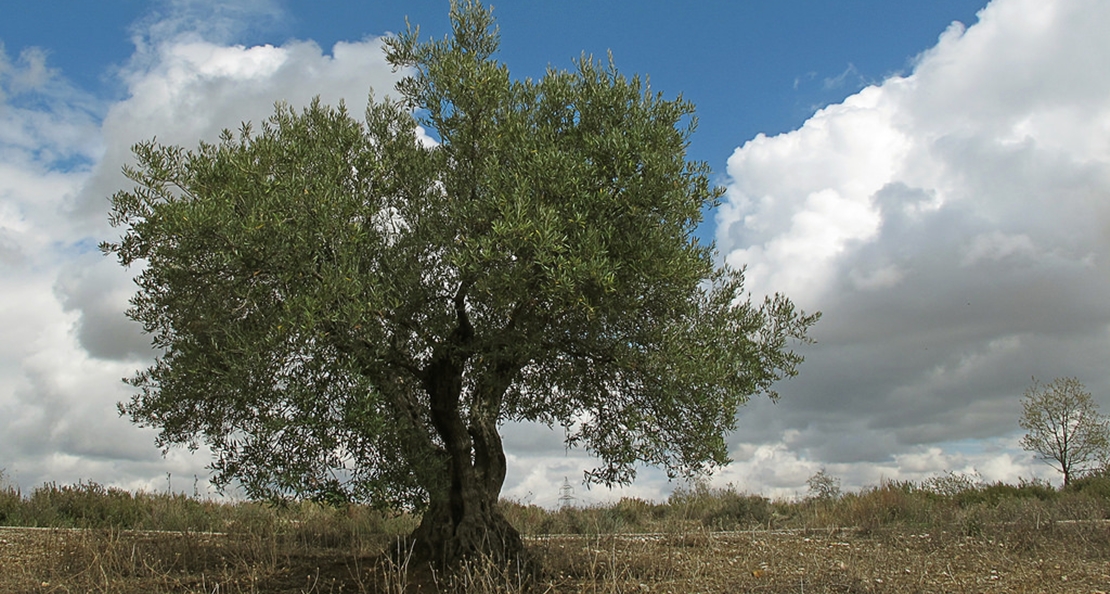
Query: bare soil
1053, 558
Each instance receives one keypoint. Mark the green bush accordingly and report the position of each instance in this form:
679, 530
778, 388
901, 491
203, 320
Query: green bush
527, 519
178, 512
1081, 506
570, 520
84, 505
737, 511
955, 506
11, 505
992, 495
719, 508
951, 484
1094, 485
892, 502
635, 513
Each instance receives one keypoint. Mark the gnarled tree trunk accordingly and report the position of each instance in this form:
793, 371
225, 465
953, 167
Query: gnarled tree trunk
463, 521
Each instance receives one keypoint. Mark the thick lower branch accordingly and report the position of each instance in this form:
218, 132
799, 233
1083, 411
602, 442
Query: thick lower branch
489, 453
489, 457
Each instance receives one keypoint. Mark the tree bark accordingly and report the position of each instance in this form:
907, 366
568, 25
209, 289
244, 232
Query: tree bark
463, 522
461, 528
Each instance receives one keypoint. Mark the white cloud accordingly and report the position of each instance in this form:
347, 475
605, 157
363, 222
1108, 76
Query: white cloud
60, 159
194, 89
952, 226
222, 22
30, 74
804, 197
777, 470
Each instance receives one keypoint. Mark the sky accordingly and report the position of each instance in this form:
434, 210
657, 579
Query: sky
934, 177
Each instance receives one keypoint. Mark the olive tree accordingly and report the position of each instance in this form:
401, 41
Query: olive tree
1064, 426
345, 310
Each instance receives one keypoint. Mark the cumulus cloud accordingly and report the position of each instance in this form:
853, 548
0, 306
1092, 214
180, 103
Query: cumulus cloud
194, 88
60, 158
952, 226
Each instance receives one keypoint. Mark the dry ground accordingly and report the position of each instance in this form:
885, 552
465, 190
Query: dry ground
1053, 558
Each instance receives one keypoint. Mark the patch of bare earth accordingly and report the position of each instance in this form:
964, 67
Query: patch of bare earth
797, 562
61, 560
1055, 558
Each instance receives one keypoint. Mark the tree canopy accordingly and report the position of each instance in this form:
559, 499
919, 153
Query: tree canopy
345, 308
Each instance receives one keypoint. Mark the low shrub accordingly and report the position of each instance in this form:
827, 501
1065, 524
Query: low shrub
84, 505
738, 511
526, 518
571, 520
951, 503
1081, 506
633, 512
892, 502
994, 494
1094, 485
11, 505
719, 508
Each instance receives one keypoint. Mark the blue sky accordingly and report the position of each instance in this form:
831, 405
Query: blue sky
933, 176
749, 67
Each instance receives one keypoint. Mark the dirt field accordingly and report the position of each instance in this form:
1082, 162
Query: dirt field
1056, 558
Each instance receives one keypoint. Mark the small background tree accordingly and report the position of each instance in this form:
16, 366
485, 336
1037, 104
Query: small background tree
823, 486
1063, 426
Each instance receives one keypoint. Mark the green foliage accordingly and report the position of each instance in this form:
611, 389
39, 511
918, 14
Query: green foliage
892, 502
738, 511
570, 520
527, 518
1095, 484
84, 505
636, 512
92, 506
720, 508
349, 313
951, 483
10, 501
992, 495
